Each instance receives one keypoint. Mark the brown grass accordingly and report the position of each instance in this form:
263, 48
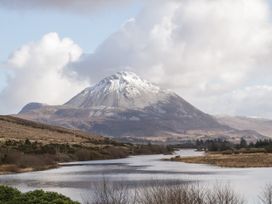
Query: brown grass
12, 168
244, 160
13, 128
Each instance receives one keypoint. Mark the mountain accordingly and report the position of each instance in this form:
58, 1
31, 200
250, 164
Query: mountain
124, 105
260, 125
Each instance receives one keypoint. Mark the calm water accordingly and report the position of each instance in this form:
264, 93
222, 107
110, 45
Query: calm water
76, 179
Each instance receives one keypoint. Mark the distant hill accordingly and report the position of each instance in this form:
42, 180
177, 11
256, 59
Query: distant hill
262, 126
14, 128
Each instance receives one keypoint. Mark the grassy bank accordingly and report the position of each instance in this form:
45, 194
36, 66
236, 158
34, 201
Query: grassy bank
241, 160
23, 156
226, 154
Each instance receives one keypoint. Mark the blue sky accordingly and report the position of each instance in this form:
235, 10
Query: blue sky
88, 30
19, 27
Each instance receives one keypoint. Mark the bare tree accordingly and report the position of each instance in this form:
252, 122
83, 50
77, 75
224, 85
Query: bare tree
108, 192
118, 193
190, 194
223, 194
266, 196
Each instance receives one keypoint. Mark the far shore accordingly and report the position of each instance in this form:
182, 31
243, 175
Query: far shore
242, 160
12, 169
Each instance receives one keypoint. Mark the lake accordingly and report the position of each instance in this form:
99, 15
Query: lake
76, 179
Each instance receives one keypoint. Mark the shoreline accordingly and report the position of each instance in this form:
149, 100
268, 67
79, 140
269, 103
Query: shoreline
28, 156
5, 169
242, 160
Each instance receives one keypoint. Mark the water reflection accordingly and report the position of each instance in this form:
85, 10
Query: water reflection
76, 179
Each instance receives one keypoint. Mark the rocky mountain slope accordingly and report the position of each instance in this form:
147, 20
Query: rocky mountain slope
124, 105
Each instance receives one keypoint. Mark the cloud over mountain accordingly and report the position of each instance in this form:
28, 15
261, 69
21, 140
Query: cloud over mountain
205, 50
37, 73
216, 54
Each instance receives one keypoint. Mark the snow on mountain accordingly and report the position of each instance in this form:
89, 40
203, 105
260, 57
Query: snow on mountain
121, 90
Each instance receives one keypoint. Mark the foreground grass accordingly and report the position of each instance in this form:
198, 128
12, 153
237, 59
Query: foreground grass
241, 160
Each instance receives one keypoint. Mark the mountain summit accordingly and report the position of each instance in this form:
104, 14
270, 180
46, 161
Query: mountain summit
121, 90
124, 105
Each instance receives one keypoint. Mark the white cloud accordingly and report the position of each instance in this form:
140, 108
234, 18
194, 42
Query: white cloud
38, 74
203, 49
252, 101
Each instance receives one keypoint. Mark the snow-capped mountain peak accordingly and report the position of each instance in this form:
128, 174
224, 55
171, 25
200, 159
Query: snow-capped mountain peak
124, 105
124, 81
121, 90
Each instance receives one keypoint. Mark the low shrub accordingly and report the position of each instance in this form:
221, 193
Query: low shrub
10, 195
